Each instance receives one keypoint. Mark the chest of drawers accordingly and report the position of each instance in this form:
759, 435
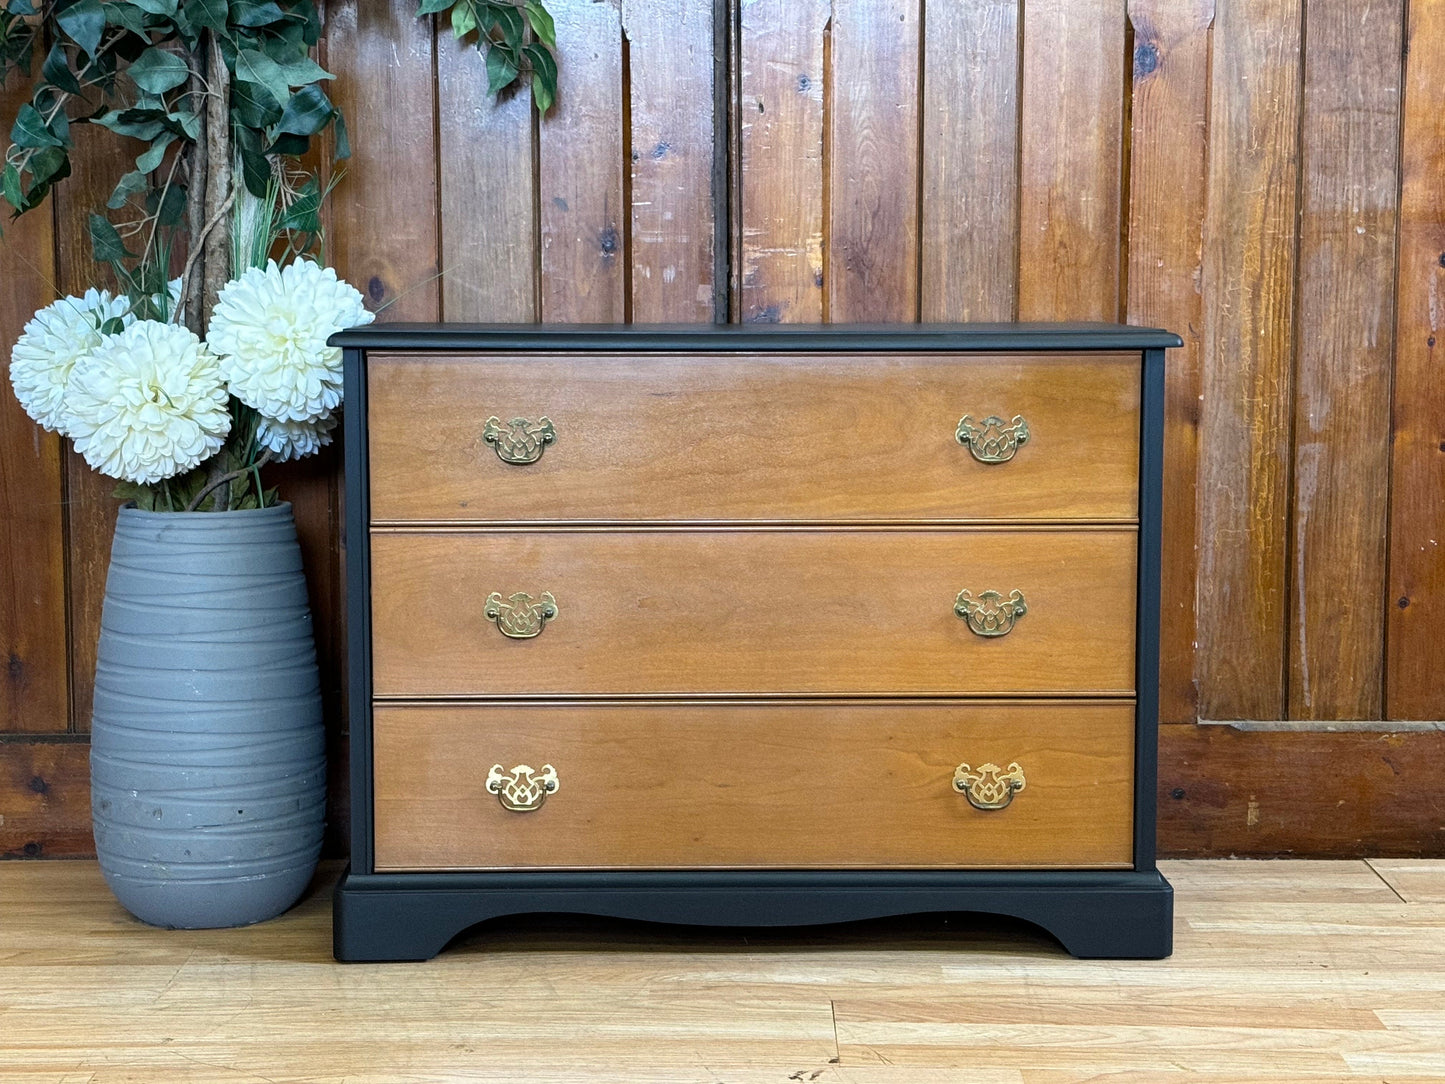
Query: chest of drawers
753, 626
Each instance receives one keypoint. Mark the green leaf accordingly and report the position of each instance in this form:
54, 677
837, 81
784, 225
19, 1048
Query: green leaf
254, 66
189, 123
542, 24
127, 17
308, 111
253, 106
508, 20
343, 140
143, 124
151, 158
10, 187
105, 243
166, 8
255, 166
432, 7
210, 14
158, 70
130, 184
291, 146
47, 166
56, 70
167, 204
303, 70
252, 14
30, 129
311, 21
544, 76
304, 214
83, 23
501, 71
143, 496
464, 19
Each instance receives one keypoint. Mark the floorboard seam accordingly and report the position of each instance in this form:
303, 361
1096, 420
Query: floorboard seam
1385, 880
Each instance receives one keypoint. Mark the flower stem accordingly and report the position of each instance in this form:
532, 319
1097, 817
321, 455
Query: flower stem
231, 477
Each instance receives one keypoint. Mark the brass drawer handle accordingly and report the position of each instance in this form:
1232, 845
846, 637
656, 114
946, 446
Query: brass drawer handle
521, 616
520, 440
989, 786
993, 440
522, 790
990, 614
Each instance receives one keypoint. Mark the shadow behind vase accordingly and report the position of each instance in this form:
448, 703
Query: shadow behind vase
208, 762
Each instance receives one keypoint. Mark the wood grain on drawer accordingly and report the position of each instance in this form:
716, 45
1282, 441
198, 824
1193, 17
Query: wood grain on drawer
753, 611
746, 784
738, 437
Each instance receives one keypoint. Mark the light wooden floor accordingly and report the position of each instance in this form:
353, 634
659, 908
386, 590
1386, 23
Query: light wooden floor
1283, 971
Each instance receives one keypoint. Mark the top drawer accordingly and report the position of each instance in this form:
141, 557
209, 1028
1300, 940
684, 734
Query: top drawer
732, 437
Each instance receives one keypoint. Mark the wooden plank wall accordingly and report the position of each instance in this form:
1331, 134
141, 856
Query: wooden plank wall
1261, 176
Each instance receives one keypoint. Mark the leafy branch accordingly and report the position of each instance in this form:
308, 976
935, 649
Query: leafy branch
222, 96
518, 37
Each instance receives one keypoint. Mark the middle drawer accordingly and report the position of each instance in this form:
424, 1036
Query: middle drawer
752, 611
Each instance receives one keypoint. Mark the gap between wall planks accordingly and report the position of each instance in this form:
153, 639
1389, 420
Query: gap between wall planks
35, 695
424, 194
1415, 599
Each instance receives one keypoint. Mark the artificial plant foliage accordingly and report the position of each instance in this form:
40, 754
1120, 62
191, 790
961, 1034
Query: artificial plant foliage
141, 69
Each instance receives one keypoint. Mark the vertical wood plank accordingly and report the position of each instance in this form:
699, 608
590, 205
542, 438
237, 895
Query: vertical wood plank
383, 238
670, 63
969, 265
1249, 275
1070, 150
90, 508
487, 192
873, 161
780, 137
1349, 156
1166, 222
583, 219
35, 690
1416, 603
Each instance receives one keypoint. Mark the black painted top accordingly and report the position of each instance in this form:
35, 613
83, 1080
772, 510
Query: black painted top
771, 337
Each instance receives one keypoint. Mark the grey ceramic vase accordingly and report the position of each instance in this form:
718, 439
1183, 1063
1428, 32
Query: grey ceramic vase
208, 754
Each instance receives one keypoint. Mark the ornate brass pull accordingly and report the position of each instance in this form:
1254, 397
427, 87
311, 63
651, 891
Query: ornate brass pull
990, 614
988, 786
522, 790
520, 440
993, 440
521, 616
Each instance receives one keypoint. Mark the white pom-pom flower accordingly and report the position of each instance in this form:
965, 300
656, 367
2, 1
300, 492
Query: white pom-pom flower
270, 328
292, 440
53, 341
147, 404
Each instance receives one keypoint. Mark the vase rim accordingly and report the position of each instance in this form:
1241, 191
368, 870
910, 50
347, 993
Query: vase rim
129, 508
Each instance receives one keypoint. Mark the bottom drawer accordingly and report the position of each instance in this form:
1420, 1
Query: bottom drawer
750, 784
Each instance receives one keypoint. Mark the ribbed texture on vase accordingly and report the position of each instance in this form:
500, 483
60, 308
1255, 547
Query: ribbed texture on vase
208, 764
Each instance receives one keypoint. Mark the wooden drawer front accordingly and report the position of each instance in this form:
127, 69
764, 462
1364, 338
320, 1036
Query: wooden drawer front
744, 785
765, 611
733, 437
